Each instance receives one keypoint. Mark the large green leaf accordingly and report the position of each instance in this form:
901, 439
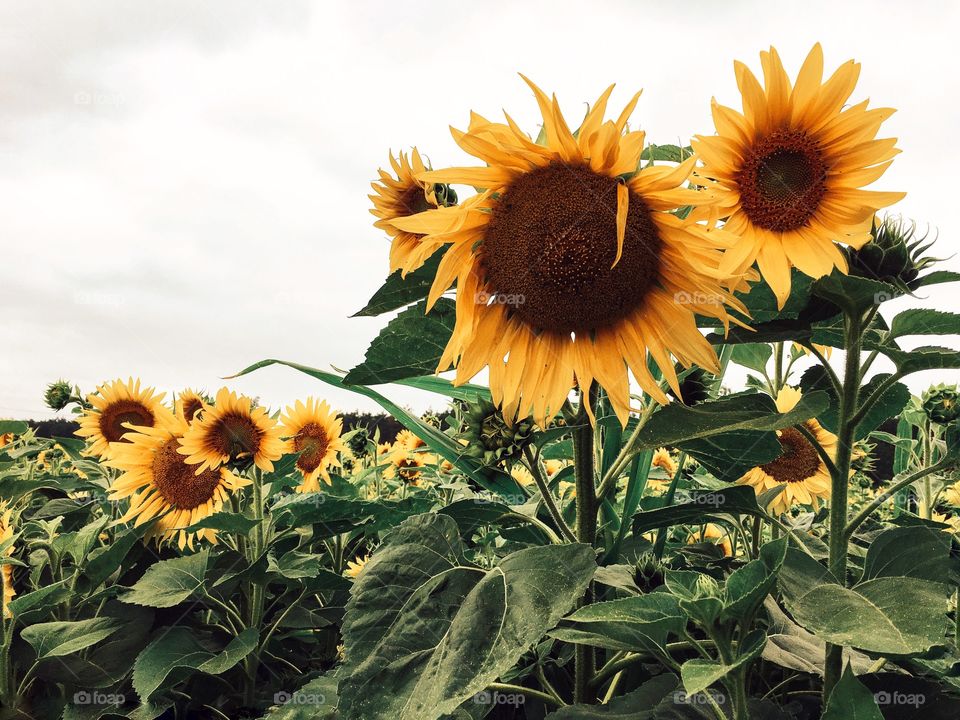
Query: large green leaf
228, 522
434, 383
889, 404
29, 607
914, 551
13, 427
927, 357
177, 652
920, 321
316, 700
409, 346
399, 291
632, 624
851, 700
752, 355
57, 639
699, 674
424, 631
640, 704
335, 515
891, 614
701, 506
104, 562
853, 293
169, 582
747, 587
731, 454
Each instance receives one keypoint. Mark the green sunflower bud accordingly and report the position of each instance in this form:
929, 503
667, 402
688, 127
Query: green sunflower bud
359, 442
941, 403
695, 385
894, 256
59, 394
490, 438
648, 573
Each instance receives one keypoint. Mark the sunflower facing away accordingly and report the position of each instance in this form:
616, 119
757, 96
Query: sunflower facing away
160, 483
116, 406
569, 264
188, 404
232, 430
399, 195
355, 566
790, 169
806, 478
313, 431
6, 532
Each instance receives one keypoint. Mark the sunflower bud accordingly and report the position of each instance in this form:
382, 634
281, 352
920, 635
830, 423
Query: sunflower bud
648, 573
941, 403
359, 442
894, 256
695, 386
58, 395
490, 438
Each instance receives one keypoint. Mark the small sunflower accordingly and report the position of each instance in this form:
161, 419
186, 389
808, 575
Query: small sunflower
664, 460
569, 263
399, 195
114, 408
715, 534
408, 467
160, 482
355, 566
189, 403
6, 532
790, 169
406, 439
951, 494
799, 467
232, 430
313, 432
521, 474
5, 439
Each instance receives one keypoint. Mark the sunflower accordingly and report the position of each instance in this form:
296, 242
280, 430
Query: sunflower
407, 467
355, 566
714, 534
799, 468
6, 532
160, 482
790, 169
569, 264
114, 408
232, 430
406, 439
5, 439
313, 432
188, 404
663, 460
399, 195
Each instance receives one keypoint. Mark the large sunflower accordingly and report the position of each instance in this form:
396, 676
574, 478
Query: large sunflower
116, 406
799, 468
399, 195
790, 169
569, 264
232, 430
6, 571
160, 482
313, 431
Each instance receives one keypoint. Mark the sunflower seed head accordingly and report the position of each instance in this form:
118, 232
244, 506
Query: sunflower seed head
941, 403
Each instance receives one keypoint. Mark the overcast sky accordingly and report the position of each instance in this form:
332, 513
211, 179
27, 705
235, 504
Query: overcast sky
183, 185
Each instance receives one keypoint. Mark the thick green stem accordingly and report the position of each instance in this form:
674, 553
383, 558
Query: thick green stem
840, 478
255, 596
586, 528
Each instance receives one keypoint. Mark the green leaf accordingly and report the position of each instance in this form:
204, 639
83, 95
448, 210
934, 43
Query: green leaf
418, 625
13, 427
851, 700
752, 355
747, 587
27, 607
334, 515
920, 321
409, 346
928, 357
889, 615
57, 639
852, 293
640, 704
316, 700
433, 383
914, 551
702, 506
176, 652
631, 624
699, 674
101, 565
228, 522
731, 454
169, 582
666, 153
296, 565
893, 400
398, 292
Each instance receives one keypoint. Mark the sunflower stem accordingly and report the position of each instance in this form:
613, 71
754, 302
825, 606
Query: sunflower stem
586, 528
255, 594
840, 477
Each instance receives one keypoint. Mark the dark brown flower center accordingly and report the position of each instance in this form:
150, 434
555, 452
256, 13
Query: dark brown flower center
236, 435
311, 442
413, 200
116, 414
798, 462
549, 248
782, 180
191, 406
408, 470
178, 482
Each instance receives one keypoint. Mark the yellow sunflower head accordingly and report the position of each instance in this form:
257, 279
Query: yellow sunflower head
407, 440
230, 431
400, 194
569, 264
664, 460
5, 439
799, 467
521, 474
313, 432
790, 169
115, 407
6, 532
160, 483
406, 466
189, 403
355, 566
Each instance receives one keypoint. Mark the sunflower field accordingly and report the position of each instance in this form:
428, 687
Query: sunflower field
603, 524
